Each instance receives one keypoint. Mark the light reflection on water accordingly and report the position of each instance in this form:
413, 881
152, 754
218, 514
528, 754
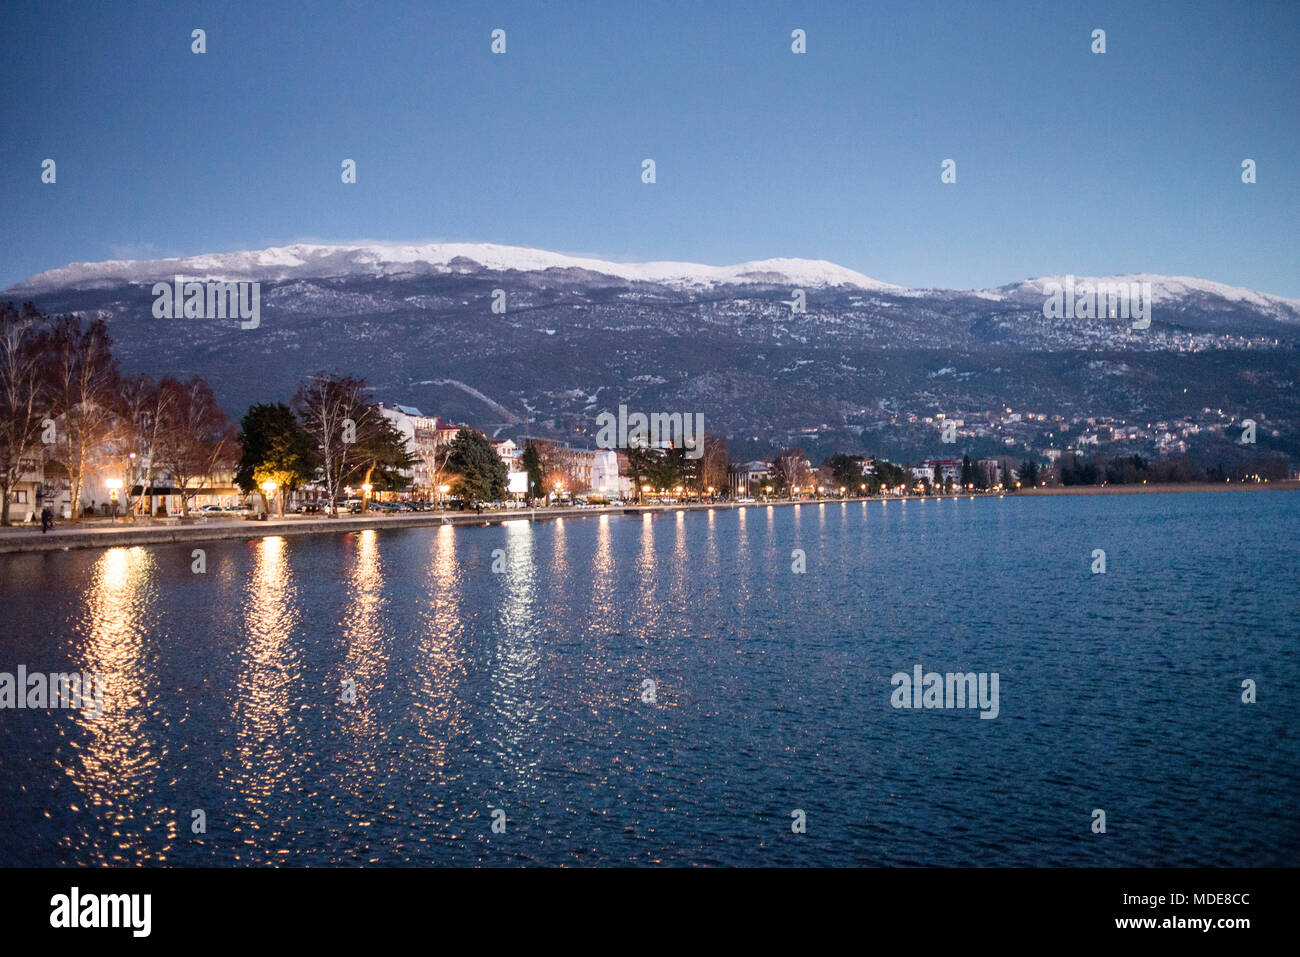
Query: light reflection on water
115, 763
520, 689
267, 759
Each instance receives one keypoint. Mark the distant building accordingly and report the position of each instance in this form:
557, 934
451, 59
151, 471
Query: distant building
947, 469
426, 440
605, 477
752, 476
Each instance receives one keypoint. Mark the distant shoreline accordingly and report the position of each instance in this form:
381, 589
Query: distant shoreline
1142, 489
66, 536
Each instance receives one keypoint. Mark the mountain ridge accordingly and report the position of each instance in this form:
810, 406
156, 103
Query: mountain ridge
398, 260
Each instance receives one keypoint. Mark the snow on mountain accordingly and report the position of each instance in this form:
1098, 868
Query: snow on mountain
1164, 289
304, 261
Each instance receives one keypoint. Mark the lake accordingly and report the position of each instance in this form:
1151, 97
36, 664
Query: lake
669, 689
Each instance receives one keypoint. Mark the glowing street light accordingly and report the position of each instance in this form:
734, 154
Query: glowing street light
269, 488
114, 484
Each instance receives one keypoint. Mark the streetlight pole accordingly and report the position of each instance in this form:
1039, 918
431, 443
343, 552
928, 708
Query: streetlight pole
269, 488
114, 484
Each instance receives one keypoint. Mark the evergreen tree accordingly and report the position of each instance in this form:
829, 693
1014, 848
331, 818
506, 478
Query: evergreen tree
532, 463
275, 448
478, 473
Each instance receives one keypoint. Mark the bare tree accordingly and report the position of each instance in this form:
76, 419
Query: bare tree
790, 469
197, 439
432, 453
24, 345
142, 412
84, 384
334, 412
715, 466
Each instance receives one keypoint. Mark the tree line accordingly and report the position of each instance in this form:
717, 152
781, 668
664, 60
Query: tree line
68, 412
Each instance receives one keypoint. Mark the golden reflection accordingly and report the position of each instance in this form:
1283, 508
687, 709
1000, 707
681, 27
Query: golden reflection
366, 660
559, 554
268, 682
603, 606
679, 595
646, 562
115, 766
444, 578
516, 664
438, 710
516, 606
712, 531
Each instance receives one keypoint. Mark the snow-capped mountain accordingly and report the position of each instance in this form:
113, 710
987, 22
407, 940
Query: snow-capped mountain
376, 260
1182, 290
867, 365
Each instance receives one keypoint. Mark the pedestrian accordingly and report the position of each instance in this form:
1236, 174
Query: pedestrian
478, 508
47, 519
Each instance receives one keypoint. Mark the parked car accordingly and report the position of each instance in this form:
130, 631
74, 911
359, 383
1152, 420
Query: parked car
211, 509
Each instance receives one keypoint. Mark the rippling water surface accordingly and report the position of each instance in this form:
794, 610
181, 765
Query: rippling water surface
522, 690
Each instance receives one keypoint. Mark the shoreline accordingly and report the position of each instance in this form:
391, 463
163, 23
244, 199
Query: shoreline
18, 539
1181, 487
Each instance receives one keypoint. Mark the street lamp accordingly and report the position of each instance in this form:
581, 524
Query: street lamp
113, 485
269, 488
131, 478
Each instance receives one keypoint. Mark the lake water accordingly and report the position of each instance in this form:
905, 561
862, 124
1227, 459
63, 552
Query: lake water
522, 690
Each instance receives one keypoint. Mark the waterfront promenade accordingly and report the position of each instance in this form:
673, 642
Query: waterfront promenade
104, 533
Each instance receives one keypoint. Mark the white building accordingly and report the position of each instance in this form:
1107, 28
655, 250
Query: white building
605, 479
424, 439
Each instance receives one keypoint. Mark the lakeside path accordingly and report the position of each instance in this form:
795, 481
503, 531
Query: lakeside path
101, 533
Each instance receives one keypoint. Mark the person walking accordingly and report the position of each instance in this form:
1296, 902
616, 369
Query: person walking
47, 519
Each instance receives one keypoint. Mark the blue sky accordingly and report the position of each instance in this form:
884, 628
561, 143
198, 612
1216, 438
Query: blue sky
1067, 161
